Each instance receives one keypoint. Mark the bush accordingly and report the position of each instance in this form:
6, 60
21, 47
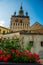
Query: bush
10, 52
17, 56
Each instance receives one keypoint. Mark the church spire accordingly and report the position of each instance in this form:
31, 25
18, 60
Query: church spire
21, 6
21, 12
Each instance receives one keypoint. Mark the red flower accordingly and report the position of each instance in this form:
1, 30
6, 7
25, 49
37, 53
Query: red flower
1, 57
20, 53
29, 54
36, 55
16, 51
24, 51
5, 58
8, 55
17, 55
12, 50
1, 51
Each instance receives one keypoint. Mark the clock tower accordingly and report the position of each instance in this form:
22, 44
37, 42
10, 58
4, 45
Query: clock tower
20, 22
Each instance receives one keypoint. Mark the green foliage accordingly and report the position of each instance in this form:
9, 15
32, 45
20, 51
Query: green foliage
10, 44
29, 46
24, 58
32, 59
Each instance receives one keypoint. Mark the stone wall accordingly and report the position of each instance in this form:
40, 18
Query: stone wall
11, 35
36, 39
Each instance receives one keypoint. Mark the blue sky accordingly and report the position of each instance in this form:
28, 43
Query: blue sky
33, 7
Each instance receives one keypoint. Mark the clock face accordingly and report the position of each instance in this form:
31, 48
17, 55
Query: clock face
16, 20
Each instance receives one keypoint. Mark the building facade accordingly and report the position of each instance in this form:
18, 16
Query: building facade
36, 40
3, 30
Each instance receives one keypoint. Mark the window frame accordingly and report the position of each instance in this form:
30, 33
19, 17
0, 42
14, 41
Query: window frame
41, 43
31, 42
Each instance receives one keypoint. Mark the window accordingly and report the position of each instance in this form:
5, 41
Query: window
20, 21
23, 24
16, 24
31, 42
0, 30
30, 31
41, 43
27, 24
3, 32
16, 20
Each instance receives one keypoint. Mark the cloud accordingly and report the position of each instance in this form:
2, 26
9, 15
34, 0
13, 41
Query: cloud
2, 23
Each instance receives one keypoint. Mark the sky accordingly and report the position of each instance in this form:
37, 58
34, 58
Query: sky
33, 7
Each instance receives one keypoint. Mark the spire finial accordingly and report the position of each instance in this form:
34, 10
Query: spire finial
21, 3
15, 13
21, 12
21, 6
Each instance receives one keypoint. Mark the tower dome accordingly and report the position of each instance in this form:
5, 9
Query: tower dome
26, 13
21, 12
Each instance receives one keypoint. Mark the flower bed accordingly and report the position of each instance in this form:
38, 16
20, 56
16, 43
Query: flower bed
12, 53
18, 56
